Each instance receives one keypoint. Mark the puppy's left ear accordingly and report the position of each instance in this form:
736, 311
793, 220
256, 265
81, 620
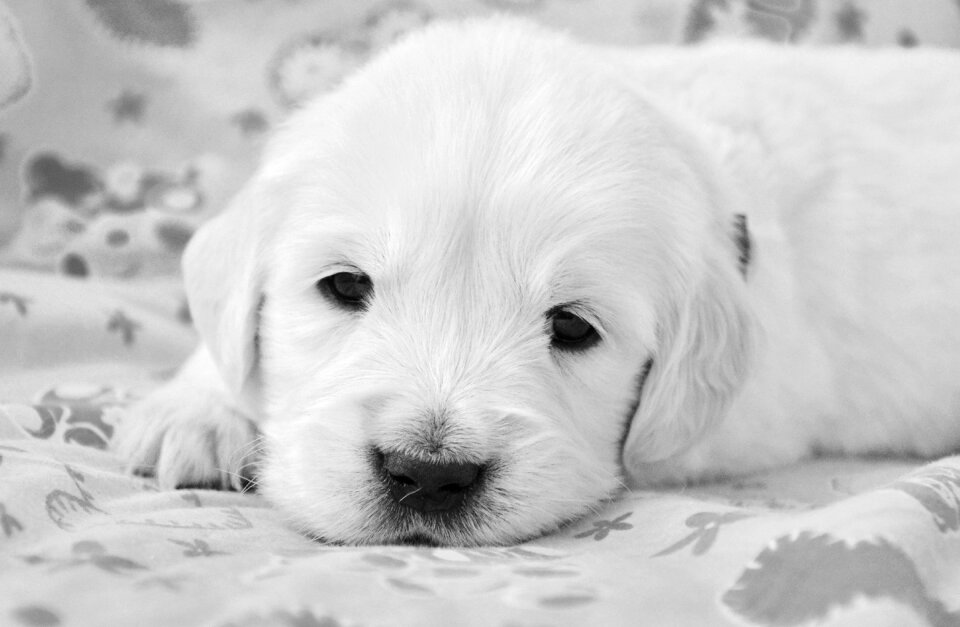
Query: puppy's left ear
224, 273
704, 346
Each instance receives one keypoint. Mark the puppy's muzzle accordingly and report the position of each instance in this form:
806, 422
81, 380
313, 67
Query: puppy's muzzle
428, 486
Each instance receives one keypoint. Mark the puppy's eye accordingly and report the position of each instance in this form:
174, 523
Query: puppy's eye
570, 332
350, 290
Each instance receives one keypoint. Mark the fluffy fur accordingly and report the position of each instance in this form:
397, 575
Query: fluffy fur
485, 172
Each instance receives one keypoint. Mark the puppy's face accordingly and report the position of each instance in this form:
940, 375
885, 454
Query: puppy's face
459, 273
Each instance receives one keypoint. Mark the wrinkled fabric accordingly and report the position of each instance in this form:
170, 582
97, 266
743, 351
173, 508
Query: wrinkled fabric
872, 542
124, 124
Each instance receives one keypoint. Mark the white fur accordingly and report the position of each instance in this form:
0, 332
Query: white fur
482, 173
187, 434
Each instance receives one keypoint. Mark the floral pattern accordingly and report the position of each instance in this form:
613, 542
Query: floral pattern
602, 528
802, 578
69, 514
67, 511
150, 136
706, 527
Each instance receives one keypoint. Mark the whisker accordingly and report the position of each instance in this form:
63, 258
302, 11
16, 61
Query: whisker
248, 485
408, 494
253, 448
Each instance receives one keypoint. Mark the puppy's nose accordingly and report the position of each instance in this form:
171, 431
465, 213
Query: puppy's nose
428, 486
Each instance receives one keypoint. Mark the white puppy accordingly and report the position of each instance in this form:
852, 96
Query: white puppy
498, 273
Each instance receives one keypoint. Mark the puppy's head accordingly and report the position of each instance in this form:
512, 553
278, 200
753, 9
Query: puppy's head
472, 290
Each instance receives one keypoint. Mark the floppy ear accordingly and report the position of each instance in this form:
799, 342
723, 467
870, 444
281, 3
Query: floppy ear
223, 272
704, 346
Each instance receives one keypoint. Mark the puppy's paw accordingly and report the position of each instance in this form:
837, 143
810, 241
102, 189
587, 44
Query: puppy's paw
188, 437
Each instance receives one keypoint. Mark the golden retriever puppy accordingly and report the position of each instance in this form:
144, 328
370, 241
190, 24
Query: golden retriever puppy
499, 274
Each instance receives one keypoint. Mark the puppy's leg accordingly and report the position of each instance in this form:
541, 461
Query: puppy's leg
188, 433
712, 460
749, 440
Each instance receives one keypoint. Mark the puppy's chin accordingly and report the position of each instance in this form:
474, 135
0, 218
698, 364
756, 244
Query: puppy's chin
321, 476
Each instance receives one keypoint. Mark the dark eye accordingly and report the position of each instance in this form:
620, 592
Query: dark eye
350, 290
570, 332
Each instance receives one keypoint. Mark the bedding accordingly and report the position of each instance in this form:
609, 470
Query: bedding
124, 124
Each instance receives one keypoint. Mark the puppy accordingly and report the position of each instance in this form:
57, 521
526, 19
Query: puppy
499, 274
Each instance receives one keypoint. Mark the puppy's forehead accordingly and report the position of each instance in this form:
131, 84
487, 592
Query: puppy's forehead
485, 146
473, 109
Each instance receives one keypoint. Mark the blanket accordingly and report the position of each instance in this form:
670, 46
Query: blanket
872, 542
124, 124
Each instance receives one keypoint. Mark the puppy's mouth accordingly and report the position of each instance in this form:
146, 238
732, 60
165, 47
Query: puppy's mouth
467, 493
419, 540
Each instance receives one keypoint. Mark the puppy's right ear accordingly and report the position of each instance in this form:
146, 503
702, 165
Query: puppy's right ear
224, 273
705, 349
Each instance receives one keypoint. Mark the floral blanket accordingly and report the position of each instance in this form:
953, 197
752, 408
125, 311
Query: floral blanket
126, 123
871, 542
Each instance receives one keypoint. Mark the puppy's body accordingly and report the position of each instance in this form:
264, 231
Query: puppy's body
845, 163
486, 176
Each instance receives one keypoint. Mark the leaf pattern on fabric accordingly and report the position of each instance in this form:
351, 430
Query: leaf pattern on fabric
48, 175
191, 497
406, 586
49, 418
36, 616
88, 553
285, 618
8, 524
250, 122
197, 548
19, 303
568, 600
543, 582
850, 20
61, 505
124, 325
707, 529
128, 106
907, 38
227, 518
602, 528
76, 421
157, 22
801, 579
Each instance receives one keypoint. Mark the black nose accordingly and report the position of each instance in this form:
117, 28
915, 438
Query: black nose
428, 486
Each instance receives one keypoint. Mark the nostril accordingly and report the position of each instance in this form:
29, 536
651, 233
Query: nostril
459, 477
453, 488
402, 479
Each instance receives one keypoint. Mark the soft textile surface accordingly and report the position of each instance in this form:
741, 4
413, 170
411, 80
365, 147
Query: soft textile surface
81, 543
126, 123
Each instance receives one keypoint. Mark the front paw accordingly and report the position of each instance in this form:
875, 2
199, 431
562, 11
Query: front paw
188, 437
